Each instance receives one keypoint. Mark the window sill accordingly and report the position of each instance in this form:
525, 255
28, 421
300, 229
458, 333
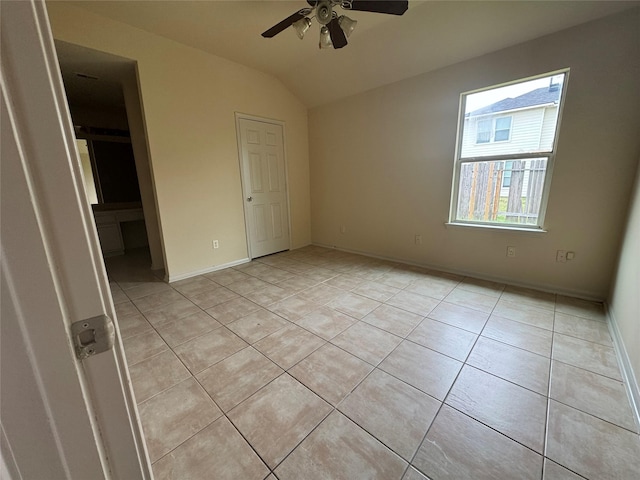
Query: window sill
496, 227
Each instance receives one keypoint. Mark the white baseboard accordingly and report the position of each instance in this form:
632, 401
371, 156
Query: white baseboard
215, 268
467, 273
628, 375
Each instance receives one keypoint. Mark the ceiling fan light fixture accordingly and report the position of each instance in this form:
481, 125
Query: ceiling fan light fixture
347, 24
301, 27
325, 38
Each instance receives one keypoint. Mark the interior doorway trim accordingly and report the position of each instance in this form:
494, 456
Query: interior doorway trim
244, 116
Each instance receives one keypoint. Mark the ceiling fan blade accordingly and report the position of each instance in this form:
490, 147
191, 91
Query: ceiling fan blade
393, 7
338, 38
287, 22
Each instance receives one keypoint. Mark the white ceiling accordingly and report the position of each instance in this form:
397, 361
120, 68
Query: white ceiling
382, 49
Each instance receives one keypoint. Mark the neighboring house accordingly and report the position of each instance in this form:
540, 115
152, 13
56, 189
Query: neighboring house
511, 126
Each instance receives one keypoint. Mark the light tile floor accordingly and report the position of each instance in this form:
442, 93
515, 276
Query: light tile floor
321, 364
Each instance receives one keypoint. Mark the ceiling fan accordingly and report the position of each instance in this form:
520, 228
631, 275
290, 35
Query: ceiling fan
334, 28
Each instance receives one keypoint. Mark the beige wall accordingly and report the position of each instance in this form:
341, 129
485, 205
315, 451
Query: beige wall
189, 98
382, 163
624, 302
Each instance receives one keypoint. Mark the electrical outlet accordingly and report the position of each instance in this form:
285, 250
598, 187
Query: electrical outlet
561, 256
216, 244
418, 239
511, 252
571, 255
343, 229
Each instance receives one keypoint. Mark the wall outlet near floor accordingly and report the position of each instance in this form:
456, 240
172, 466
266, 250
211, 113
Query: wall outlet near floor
561, 256
216, 244
418, 239
511, 251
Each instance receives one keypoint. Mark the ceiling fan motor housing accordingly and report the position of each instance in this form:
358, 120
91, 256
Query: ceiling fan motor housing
324, 12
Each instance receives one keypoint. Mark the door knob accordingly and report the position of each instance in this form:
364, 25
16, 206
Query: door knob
249, 199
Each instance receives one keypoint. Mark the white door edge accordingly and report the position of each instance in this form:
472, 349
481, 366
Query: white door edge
47, 163
244, 116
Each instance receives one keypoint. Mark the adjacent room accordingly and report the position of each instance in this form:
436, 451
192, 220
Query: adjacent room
411, 253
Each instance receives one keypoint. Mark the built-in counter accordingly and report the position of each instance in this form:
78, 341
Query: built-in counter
110, 218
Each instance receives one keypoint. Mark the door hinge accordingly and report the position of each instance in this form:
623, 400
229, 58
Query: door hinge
93, 335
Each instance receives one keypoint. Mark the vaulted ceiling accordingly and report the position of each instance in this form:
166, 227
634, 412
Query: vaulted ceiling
382, 49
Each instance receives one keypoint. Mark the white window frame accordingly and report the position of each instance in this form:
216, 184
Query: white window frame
495, 128
549, 155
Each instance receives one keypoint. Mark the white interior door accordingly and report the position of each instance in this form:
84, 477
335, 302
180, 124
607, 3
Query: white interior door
264, 185
60, 417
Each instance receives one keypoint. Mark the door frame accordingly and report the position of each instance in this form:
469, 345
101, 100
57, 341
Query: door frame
243, 181
89, 406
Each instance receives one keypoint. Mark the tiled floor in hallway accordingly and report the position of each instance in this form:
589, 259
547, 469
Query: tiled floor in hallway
321, 364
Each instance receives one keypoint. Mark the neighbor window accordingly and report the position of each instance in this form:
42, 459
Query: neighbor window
507, 141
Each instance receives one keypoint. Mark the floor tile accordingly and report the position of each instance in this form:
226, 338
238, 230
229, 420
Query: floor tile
331, 372
459, 316
213, 297
600, 396
393, 320
528, 296
217, 450
118, 296
443, 338
155, 374
294, 308
320, 294
458, 447
534, 339
193, 286
367, 342
297, 283
516, 365
143, 345
257, 325
227, 276
585, 329
590, 356
269, 295
470, 299
376, 291
589, 446
413, 474
278, 417
125, 309
392, 411
130, 325
346, 281
247, 285
274, 275
326, 322
514, 411
412, 302
553, 471
340, 450
173, 311
157, 300
354, 305
147, 288
288, 346
432, 287
187, 328
519, 312
485, 287
580, 308
237, 377
174, 415
209, 349
232, 310
429, 371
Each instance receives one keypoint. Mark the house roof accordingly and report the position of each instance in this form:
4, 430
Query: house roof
539, 96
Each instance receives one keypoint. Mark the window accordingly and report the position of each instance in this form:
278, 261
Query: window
484, 131
503, 127
506, 145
